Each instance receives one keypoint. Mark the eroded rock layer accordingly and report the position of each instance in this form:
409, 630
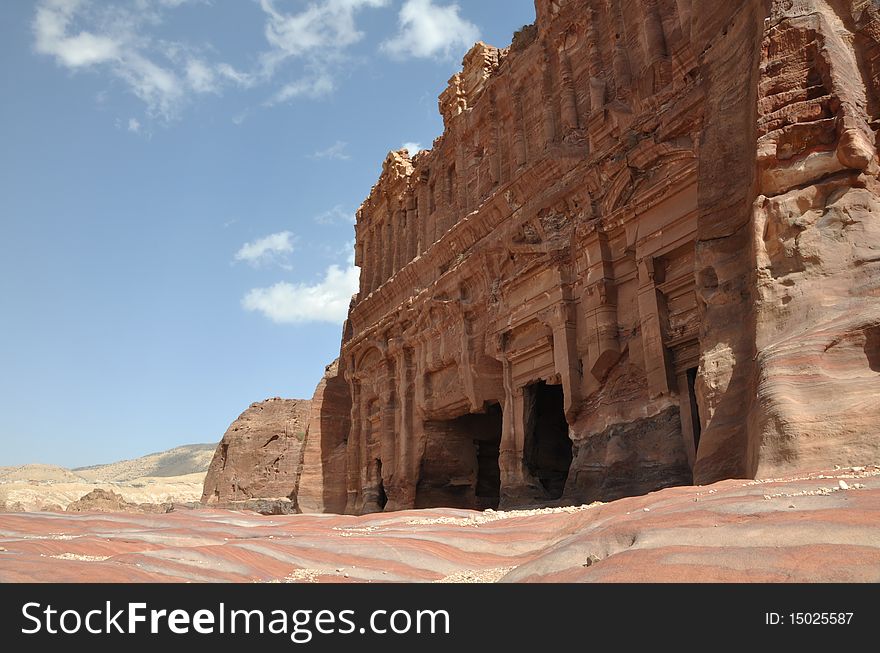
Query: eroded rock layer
259, 454
643, 253
321, 484
808, 528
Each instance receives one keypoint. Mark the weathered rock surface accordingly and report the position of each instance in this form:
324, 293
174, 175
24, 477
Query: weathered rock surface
259, 454
805, 528
100, 500
321, 482
643, 253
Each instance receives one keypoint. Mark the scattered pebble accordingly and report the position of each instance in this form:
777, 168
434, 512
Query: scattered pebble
843, 484
490, 515
306, 575
81, 558
492, 575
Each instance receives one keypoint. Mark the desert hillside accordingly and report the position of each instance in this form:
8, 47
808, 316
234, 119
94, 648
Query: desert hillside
173, 476
180, 461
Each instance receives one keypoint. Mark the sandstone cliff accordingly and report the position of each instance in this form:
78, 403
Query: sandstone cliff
643, 253
259, 454
321, 483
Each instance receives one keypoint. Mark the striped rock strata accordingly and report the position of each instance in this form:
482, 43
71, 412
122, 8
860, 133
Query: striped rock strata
823, 526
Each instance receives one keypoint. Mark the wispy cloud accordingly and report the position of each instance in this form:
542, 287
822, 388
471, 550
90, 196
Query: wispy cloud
84, 49
319, 36
82, 35
335, 151
337, 215
427, 30
269, 249
412, 147
134, 125
313, 87
327, 25
326, 300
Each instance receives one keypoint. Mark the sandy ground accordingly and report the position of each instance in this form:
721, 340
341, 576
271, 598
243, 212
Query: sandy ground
822, 526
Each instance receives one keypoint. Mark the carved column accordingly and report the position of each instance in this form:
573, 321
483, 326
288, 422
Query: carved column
381, 475
514, 482
359, 249
394, 224
423, 211
568, 95
494, 142
547, 100
388, 246
519, 139
652, 314
654, 35
622, 77
597, 82
565, 355
352, 451
401, 494
460, 200
599, 302
412, 228
375, 257
467, 357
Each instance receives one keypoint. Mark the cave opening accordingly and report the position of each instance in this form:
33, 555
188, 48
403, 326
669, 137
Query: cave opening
381, 498
548, 447
460, 467
695, 409
487, 440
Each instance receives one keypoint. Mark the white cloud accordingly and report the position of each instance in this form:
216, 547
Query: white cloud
134, 125
117, 46
328, 24
335, 151
309, 87
336, 215
412, 147
318, 35
50, 26
297, 303
120, 38
201, 77
161, 73
427, 30
270, 249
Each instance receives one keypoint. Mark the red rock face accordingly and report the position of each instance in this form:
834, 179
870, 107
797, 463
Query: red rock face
259, 454
321, 483
643, 253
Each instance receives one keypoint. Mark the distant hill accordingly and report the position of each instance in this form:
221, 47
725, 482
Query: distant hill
38, 473
188, 459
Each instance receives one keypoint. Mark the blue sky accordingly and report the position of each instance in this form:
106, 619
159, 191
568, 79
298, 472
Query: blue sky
178, 180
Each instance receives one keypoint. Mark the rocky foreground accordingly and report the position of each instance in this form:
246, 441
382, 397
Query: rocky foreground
822, 526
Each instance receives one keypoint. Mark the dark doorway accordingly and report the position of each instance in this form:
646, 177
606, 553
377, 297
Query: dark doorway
695, 411
460, 465
547, 446
381, 497
488, 444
